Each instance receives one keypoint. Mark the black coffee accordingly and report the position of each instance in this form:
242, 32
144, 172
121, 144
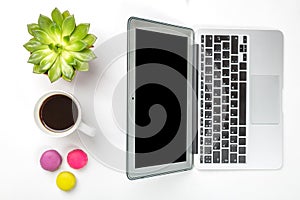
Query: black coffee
58, 113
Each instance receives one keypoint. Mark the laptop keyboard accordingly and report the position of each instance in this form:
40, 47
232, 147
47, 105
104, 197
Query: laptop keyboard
223, 131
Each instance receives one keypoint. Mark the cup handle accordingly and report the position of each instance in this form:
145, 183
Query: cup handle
86, 129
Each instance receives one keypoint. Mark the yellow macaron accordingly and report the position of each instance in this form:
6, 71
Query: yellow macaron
65, 181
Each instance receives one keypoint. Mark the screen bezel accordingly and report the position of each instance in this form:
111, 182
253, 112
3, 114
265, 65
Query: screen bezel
137, 23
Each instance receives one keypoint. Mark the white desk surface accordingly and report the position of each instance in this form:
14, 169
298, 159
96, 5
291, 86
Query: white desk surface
21, 143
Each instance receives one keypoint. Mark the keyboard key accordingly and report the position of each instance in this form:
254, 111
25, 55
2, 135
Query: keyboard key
208, 79
233, 112
208, 52
217, 74
234, 44
217, 57
234, 95
234, 77
217, 83
208, 123
208, 132
243, 66
234, 104
216, 157
233, 148
207, 150
201, 149
217, 39
225, 117
226, 46
234, 59
225, 54
201, 158
225, 126
208, 70
216, 137
216, 128
208, 96
234, 86
242, 159
217, 110
243, 76
207, 114
202, 38
216, 145
225, 135
225, 81
225, 155
234, 68
244, 39
208, 87
242, 131
242, 150
244, 57
207, 159
233, 121
225, 143
208, 61
217, 119
242, 106
242, 141
225, 99
233, 158
233, 130
217, 101
217, 65
208, 41
208, 105
207, 141
225, 108
225, 90
217, 92
233, 139
201, 140
217, 47
225, 63
225, 72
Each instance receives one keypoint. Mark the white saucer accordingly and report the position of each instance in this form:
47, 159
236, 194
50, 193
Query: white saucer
102, 95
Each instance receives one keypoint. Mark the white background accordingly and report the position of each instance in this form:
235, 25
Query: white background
21, 143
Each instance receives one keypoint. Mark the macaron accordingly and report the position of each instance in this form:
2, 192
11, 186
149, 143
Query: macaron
50, 160
77, 159
65, 181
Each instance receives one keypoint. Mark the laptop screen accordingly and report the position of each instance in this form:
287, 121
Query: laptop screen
160, 99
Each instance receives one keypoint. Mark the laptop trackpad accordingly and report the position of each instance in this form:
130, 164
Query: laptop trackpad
265, 96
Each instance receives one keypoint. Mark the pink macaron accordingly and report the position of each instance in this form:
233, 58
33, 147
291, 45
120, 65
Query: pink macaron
77, 159
50, 160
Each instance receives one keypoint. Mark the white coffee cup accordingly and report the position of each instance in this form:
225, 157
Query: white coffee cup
78, 125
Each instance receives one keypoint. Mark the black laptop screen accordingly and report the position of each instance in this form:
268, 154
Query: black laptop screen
160, 98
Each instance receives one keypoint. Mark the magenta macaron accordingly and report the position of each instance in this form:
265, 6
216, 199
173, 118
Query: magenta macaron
77, 159
50, 160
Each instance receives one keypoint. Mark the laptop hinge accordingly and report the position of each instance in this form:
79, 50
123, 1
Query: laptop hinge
195, 98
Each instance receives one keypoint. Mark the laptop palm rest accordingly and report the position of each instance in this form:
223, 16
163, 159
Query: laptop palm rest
264, 98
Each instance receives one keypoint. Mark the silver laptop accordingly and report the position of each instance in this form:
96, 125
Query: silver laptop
210, 98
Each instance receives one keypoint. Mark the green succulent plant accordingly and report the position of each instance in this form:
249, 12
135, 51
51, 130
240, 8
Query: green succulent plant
59, 47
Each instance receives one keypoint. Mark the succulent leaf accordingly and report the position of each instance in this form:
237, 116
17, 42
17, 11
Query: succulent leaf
42, 36
57, 17
55, 32
34, 45
67, 71
66, 14
55, 72
37, 70
90, 39
76, 46
80, 32
68, 25
44, 23
69, 58
48, 61
37, 56
81, 66
85, 56
32, 27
